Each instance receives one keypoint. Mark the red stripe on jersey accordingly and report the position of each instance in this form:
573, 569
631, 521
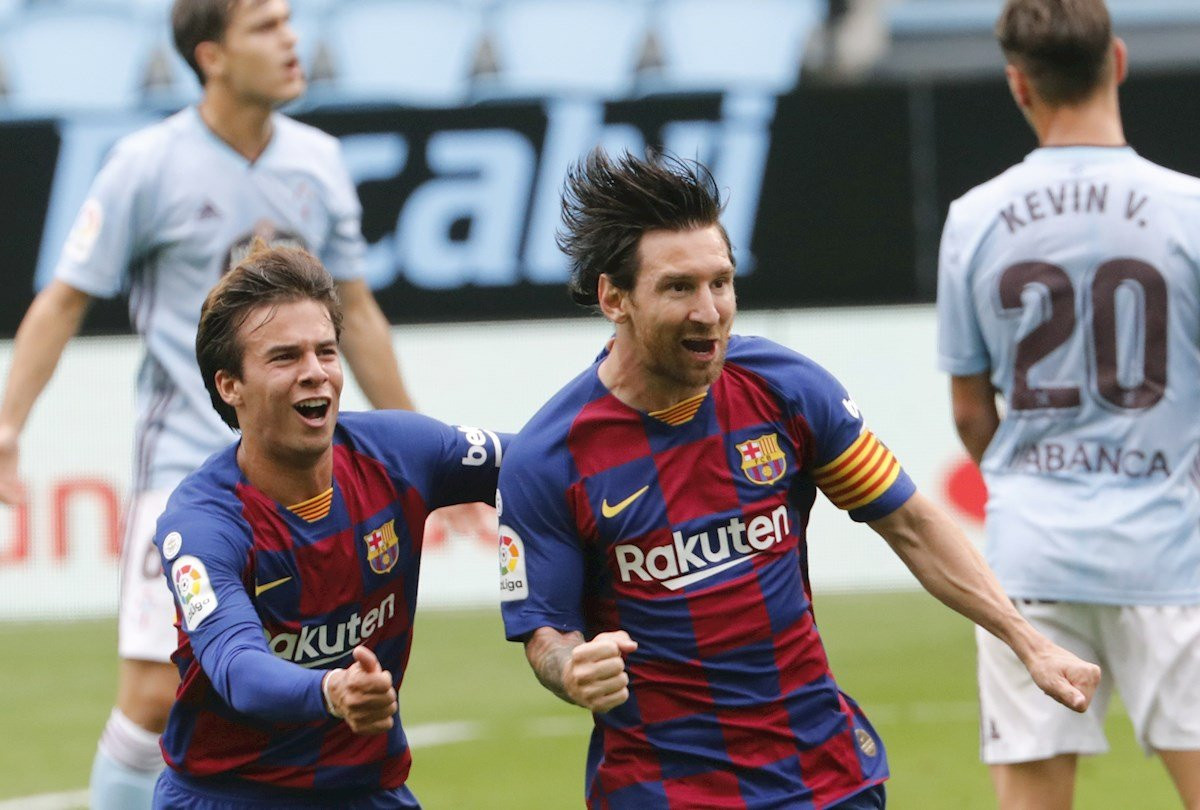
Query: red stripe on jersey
668, 690
695, 480
341, 746
322, 593
372, 486
757, 735
799, 655
743, 400
395, 770
270, 531
219, 745
713, 611
832, 770
625, 760
606, 434
711, 790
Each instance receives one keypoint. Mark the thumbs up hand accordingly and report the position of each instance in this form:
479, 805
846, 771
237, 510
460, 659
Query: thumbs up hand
362, 694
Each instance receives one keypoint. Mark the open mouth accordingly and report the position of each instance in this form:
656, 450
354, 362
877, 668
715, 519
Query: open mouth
700, 346
313, 409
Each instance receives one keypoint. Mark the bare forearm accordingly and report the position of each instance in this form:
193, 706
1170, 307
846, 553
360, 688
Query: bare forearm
976, 436
548, 652
973, 401
949, 566
53, 318
367, 344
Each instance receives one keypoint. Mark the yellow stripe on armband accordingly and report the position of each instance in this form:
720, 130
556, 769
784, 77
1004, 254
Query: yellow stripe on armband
862, 473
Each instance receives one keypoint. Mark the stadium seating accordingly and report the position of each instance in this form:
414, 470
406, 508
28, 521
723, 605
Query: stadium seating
59, 59
544, 47
412, 52
747, 45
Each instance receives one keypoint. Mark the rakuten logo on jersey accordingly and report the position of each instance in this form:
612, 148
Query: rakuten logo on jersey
685, 561
319, 644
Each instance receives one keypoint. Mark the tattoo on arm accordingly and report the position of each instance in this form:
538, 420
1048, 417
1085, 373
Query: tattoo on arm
548, 652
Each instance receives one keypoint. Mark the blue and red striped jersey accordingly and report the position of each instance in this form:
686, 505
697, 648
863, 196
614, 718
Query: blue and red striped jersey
305, 584
687, 529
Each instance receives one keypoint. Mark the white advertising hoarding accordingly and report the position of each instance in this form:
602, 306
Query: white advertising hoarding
58, 551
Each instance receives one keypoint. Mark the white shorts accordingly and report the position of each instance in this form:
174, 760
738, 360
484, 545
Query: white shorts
146, 610
1151, 654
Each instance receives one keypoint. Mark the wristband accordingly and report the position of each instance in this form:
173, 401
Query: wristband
325, 693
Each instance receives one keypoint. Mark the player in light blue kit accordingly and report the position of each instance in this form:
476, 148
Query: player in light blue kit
1070, 284
173, 206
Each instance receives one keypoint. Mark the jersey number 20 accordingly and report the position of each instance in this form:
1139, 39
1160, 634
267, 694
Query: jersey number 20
1060, 323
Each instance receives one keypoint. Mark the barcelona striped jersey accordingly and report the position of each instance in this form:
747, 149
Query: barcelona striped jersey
270, 597
687, 529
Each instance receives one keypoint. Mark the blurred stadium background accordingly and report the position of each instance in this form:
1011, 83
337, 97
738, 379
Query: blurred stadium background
842, 130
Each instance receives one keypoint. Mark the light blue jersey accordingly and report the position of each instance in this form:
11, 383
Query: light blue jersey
1074, 278
172, 207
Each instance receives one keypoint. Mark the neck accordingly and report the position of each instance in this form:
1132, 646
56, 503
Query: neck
285, 479
244, 126
1093, 123
630, 381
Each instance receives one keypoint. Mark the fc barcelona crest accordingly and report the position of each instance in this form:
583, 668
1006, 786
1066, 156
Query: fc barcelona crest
763, 461
383, 547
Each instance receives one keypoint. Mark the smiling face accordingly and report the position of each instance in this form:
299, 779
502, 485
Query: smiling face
256, 59
287, 395
673, 326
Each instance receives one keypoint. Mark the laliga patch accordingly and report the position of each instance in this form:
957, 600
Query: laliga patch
513, 585
194, 589
172, 543
84, 233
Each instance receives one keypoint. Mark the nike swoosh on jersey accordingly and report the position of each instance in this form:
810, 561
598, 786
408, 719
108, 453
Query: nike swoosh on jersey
260, 589
618, 508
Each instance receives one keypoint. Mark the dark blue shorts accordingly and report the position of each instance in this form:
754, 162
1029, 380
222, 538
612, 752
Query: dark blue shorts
873, 798
174, 791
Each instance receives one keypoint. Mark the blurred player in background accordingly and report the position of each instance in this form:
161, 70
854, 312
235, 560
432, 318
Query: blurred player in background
298, 618
173, 207
653, 520
1070, 284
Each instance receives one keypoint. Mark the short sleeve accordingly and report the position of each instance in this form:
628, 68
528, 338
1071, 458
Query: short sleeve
851, 466
541, 555
345, 248
470, 466
106, 235
961, 348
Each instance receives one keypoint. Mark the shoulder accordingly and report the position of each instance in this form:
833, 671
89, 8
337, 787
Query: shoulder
545, 435
390, 436
146, 148
1173, 182
987, 195
205, 506
298, 135
783, 369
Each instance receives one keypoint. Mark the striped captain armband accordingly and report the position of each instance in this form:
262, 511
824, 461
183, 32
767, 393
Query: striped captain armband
860, 474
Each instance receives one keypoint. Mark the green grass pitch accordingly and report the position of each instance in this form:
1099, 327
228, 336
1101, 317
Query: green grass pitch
486, 735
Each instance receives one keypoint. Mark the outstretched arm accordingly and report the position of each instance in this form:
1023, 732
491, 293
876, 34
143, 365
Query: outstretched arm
53, 319
590, 674
367, 344
952, 569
